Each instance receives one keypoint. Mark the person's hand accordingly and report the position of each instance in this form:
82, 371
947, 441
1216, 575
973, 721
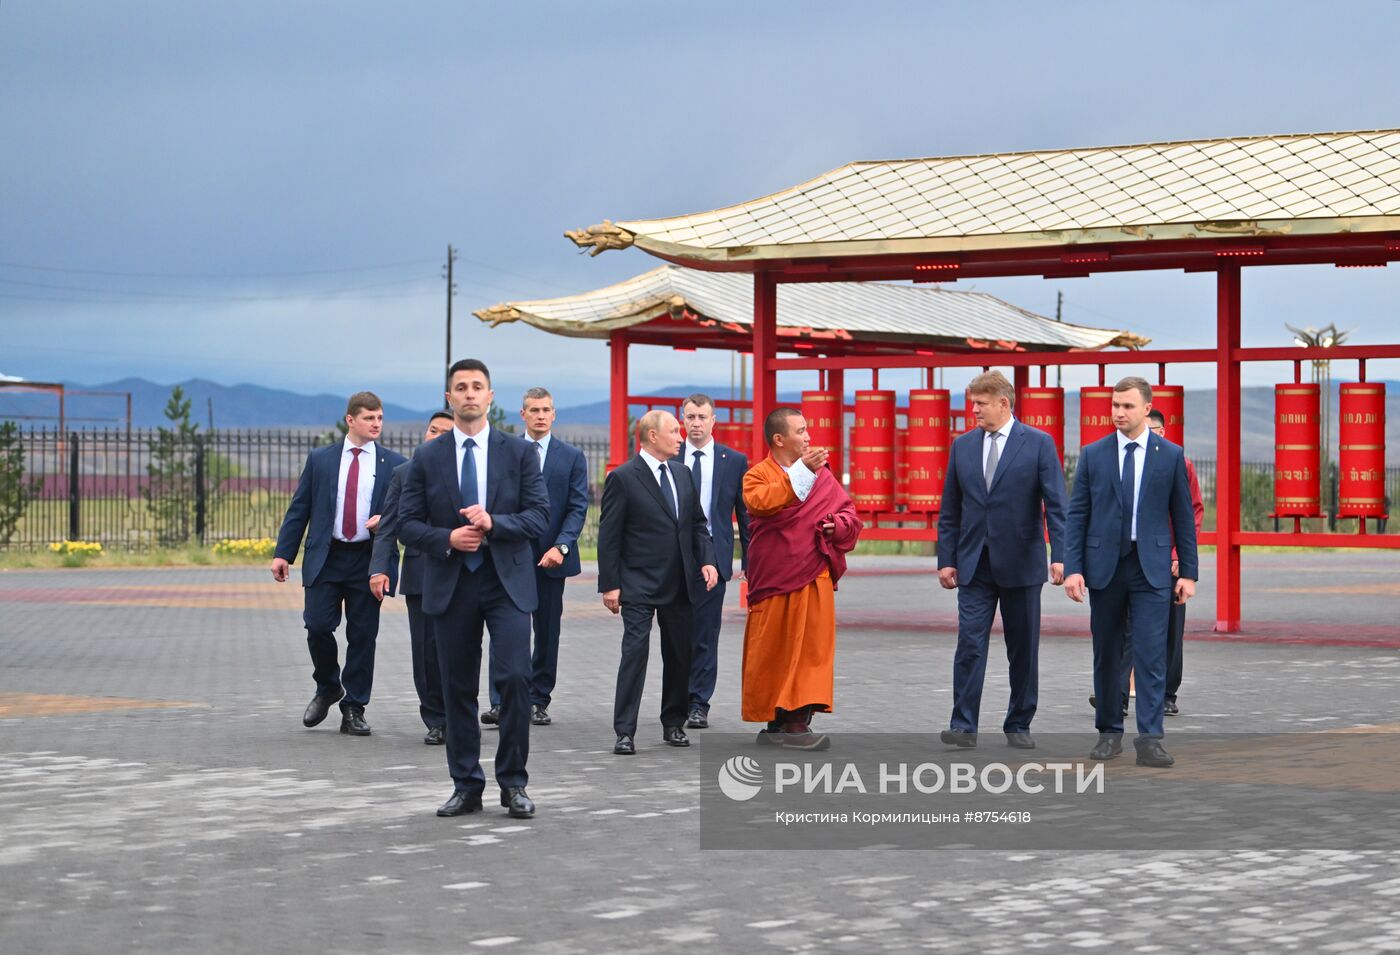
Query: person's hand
711, 576
740, 575
1185, 590
948, 577
467, 538
1057, 574
612, 599
1176, 566
1074, 588
372, 523
478, 517
379, 585
280, 569
827, 528
814, 458
551, 559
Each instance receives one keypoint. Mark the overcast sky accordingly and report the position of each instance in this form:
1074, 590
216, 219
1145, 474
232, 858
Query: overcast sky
264, 192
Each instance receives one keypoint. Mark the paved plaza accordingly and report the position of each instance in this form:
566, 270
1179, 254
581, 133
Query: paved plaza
158, 792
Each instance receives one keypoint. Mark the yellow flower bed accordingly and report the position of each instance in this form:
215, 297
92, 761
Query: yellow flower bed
248, 547
77, 548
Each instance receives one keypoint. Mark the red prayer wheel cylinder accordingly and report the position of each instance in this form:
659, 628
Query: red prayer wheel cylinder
1095, 413
1044, 408
825, 422
733, 434
1171, 401
1297, 450
901, 467
926, 448
1361, 447
872, 451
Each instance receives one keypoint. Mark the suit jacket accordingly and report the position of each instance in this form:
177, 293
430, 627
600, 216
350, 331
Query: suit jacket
430, 509
385, 557
1007, 519
1096, 514
566, 482
642, 544
312, 511
727, 505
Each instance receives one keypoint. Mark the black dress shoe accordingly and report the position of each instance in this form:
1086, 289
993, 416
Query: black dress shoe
319, 706
352, 721
491, 717
1020, 740
540, 716
518, 805
959, 738
1107, 747
460, 804
675, 736
1151, 753
697, 720
435, 737
625, 747
1169, 708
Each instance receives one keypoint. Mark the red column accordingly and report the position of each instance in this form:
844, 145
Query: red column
618, 446
836, 383
765, 341
1022, 381
1227, 456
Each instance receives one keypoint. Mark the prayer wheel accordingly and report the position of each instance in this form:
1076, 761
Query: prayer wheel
1361, 447
1171, 401
733, 434
1044, 408
901, 467
1095, 413
872, 451
926, 448
825, 422
1297, 450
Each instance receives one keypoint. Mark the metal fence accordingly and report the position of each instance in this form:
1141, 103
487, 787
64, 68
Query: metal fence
141, 489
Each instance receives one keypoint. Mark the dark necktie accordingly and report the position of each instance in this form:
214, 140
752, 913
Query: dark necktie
696, 475
666, 492
471, 558
1129, 477
540, 448
349, 520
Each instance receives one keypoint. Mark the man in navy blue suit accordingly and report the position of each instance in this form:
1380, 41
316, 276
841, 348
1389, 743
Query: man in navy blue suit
342, 487
565, 473
1002, 477
382, 563
718, 474
472, 502
1131, 504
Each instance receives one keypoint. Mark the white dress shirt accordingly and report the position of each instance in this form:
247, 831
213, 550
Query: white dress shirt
707, 473
1005, 432
478, 458
802, 478
543, 451
1141, 459
654, 466
364, 490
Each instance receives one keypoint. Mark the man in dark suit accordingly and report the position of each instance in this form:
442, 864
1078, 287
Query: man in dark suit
384, 559
1001, 477
472, 501
342, 486
718, 475
565, 473
1131, 503
655, 559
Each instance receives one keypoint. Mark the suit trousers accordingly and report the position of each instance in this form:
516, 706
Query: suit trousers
704, 667
1109, 608
1176, 635
342, 582
544, 659
1020, 620
677, 621
427, 679
480, 600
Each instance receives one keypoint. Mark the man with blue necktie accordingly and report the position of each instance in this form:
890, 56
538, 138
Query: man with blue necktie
472, 502
1130, 505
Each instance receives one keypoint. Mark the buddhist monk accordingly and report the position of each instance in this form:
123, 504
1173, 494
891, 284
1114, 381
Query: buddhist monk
802, 524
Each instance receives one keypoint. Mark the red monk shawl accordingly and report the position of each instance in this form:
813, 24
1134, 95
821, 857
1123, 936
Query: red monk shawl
787, 550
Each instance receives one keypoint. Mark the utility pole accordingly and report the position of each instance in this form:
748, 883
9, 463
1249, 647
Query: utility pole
451, 291
1059, 310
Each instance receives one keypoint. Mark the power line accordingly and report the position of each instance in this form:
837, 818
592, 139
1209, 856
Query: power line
189, 297
216, 275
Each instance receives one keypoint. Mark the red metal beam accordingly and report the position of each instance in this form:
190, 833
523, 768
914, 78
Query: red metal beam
619, 447
1227, 453
765, 337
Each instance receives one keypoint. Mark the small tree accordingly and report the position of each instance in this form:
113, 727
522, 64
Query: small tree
496, 418
15, 491
170, 490
334, 435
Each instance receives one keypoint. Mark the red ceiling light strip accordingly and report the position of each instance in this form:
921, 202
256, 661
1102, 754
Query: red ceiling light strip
1079, 258
1362, 265
1240, 251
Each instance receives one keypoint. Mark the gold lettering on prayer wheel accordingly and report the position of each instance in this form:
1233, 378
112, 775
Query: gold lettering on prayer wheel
1297, 450
872, 451
825, 425
1361, 450
1095, 413
1044, 408
926, 448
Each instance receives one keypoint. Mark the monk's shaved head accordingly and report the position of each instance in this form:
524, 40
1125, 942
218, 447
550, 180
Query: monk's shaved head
777, 423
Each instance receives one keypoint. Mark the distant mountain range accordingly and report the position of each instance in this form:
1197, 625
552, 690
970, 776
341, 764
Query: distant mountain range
255, 406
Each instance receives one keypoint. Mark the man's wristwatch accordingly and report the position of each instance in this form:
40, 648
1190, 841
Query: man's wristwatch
563, 549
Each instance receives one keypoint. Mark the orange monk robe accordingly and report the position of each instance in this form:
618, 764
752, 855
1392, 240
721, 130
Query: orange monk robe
790, 635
